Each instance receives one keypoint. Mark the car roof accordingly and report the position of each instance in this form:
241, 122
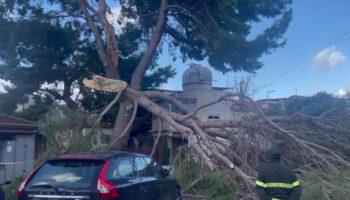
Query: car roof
97, 155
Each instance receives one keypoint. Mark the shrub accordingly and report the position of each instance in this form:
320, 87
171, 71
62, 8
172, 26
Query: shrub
210, 185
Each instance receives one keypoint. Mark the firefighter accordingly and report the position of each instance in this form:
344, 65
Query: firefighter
275, 181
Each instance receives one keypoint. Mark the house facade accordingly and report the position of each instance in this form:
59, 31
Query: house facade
18, 138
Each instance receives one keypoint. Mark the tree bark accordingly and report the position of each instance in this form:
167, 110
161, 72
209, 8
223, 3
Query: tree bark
66, 97
124, 116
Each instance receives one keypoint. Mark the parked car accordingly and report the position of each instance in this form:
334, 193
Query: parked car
2, 194
100, 176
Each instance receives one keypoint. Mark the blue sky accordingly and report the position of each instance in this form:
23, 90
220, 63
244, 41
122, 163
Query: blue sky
315, 24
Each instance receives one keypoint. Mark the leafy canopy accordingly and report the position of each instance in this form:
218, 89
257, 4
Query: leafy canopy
49, 42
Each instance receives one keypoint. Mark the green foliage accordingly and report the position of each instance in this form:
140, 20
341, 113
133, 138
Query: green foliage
318, 186
51, 56
63, 130
45, 58
11, 189
212, 185
215, 188
217, 30
36, 111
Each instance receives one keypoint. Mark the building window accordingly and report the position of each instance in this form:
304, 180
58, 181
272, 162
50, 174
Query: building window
190, 103
213, 117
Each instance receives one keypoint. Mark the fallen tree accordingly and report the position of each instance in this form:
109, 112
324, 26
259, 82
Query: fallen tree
199, 29
218, 32
308, 142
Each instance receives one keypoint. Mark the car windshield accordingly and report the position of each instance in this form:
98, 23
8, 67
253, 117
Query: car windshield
67, 174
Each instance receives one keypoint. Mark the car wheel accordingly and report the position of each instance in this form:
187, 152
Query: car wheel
178, 194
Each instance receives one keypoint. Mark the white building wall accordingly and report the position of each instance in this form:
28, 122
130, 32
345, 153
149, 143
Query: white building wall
204, 96
221, 109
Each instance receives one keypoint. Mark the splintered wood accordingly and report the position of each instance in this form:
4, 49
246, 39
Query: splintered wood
105, 84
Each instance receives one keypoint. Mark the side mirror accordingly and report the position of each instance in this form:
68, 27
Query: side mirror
165, 172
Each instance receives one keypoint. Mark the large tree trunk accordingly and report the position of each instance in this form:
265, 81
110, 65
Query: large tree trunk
108, 53
124, 117
126, 105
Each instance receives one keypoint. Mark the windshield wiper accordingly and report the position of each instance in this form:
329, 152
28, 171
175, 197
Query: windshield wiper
43, 186
47, 186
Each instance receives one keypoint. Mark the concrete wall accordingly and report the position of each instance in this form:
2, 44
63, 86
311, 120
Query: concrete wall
203, 96
221, 109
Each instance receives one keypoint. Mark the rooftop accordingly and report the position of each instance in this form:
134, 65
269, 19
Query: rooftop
14, 125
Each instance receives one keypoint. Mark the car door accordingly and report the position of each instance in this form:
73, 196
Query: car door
147, 180
122, 173
163, 186
166, 185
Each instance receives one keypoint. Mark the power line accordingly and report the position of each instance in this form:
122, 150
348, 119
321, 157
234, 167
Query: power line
302, 63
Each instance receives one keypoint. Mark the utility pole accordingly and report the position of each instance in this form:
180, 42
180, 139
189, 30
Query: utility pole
268, 92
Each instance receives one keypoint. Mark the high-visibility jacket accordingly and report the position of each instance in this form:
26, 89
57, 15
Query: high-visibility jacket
277, 182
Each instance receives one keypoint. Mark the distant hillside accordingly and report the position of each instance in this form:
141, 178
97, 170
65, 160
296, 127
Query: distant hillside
320, 104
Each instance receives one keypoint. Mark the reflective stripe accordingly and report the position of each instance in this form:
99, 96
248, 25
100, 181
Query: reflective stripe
280, 185
275, 199
37, 196
296, 183
259, 183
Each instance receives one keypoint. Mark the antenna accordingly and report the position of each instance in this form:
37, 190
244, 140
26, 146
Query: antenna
227, 80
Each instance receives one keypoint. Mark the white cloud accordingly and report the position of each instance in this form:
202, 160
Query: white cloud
342, 93
329, 58
3, 84
117, 20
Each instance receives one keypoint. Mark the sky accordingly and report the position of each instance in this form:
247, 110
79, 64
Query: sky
317, 49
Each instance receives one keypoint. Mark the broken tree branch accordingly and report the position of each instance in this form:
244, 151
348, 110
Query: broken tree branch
105, 84
169, 98
240, 144
158, 137
115, 100
100, 44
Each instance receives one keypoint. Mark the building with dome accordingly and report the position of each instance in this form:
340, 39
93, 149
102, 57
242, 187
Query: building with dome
198, 90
